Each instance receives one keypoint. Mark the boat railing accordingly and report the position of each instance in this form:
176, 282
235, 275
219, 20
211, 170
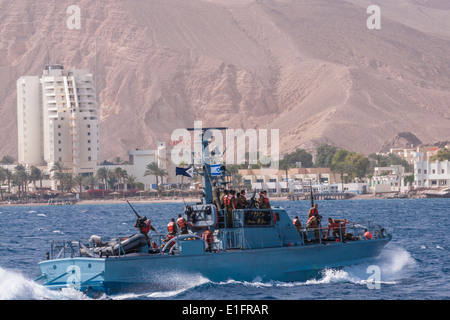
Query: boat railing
347, 231
81, 248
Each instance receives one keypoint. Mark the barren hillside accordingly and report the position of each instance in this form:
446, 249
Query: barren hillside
309, 68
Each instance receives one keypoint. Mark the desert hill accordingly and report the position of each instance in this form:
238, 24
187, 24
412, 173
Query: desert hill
309, 68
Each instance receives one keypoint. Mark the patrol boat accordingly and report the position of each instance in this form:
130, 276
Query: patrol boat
258, 244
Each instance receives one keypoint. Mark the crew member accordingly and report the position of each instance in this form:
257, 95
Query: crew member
242, 201
313, 211
230, 205
145, 227
172, 228
367, 234
313, 224
183, 224
336, 226
223, 199
171, 232
297, 224
209, 238
263, 201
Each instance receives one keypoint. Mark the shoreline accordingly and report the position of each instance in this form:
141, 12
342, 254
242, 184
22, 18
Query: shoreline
167, 200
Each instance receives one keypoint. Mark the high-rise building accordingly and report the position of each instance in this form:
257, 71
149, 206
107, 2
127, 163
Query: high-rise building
58, 119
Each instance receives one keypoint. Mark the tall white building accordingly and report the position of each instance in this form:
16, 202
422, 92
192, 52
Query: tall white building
431, 174
58, 119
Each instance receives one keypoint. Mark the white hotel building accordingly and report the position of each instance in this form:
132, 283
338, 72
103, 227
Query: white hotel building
431, 174
58, 119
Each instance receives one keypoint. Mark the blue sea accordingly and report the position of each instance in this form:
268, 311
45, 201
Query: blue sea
414, 265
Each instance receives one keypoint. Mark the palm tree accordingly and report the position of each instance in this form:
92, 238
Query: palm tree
118, 160
3, 178
59, 169
35, 175
102, 174
153, 169
162, 173
9, 178
120, 175
131, 180
91, 181
7, 160
22, 177
79, 181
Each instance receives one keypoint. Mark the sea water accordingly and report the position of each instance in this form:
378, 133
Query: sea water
414, 265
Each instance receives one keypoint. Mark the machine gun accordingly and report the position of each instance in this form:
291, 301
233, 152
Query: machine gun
252, 204
140, 221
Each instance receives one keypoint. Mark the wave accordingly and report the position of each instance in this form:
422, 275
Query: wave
172, 284
393, 264
14, 286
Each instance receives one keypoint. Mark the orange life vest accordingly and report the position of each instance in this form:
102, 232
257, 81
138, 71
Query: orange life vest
171, 227
313, 212
181, 223
208, 236
230, 200
334, 225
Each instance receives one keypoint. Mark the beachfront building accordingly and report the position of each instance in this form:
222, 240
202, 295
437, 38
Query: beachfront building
431, 174
137, 163
267, 175
389, 179
58, 120
298, 180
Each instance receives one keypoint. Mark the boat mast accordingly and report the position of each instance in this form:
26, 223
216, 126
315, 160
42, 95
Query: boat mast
206, 165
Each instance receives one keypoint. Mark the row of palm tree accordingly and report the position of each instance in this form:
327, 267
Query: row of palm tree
155, 170
20, 176
115, 179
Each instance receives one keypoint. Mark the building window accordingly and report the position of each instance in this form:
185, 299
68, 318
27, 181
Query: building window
434, 171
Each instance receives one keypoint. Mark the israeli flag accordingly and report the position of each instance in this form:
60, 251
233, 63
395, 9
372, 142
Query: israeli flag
215, 170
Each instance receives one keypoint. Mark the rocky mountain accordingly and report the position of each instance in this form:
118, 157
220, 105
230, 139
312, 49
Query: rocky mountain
311, 69
405, 140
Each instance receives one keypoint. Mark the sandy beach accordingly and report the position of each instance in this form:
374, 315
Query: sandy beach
136, 200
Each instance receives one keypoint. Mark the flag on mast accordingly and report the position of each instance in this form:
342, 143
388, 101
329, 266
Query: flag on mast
189, 172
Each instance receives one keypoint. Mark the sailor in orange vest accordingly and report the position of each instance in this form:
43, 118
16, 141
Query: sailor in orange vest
297, 224
263, 201
183, 224
313, 211
145, 228
367, 234
336, 226
313, 224
172, 228
230, 205
171, 232
223, 199
209, 238
299, 227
